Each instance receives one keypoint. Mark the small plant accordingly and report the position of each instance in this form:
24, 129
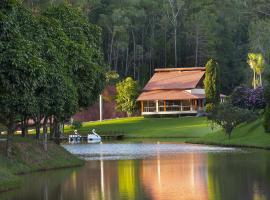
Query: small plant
76, 125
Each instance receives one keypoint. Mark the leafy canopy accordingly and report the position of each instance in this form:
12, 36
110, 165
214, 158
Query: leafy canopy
127, 92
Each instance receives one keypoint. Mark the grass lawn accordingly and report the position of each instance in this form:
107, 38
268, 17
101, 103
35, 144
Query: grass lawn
134, 127
246, 135
28, 156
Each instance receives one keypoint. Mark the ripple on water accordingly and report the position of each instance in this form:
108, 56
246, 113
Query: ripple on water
138, 150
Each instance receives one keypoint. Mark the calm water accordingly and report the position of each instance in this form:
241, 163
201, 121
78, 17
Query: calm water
153, 171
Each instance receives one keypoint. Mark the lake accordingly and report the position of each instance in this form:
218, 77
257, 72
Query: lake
153, 171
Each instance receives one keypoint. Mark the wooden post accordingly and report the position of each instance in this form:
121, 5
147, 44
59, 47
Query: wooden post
100, 108
195, 104
156, 105
141, 106
164, 105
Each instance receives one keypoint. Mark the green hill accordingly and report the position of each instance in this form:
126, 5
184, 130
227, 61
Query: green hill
246, 135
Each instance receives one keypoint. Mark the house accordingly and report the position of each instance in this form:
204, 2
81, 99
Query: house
174, 91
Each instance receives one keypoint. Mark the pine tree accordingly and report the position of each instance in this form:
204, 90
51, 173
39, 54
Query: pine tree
212, 84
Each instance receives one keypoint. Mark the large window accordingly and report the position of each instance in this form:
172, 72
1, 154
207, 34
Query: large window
173, 105
149, 106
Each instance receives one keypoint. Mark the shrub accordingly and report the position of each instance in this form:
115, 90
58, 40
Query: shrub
252, 99
209, 107
76, 124
228, 117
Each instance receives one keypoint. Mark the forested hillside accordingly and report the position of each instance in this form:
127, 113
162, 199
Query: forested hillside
140, 35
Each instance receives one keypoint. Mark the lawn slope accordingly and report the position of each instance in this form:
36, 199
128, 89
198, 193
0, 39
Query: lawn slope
28, 156
139, 127
246, 135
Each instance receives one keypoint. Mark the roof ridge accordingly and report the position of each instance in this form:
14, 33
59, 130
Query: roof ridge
180, 69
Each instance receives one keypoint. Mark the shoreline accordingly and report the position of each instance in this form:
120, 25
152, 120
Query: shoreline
31, 158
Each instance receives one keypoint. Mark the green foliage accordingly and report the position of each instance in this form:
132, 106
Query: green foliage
257, 64
209, 107
112, 77
212, 84
76, 125
229, 117
127, 92
266, 119
51, 63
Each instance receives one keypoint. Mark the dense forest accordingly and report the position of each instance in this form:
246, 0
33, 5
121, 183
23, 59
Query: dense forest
140, 35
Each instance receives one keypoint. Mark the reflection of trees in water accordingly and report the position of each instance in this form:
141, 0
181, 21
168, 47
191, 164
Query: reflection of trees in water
239, 176
40, 185
221, 176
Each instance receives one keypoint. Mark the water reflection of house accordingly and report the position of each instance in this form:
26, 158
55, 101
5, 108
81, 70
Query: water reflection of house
184, 177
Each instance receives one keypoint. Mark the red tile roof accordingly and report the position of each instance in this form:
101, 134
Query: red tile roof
168, 95
175, 78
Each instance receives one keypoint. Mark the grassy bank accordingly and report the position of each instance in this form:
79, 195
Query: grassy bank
29, 156
246, 135
135, 127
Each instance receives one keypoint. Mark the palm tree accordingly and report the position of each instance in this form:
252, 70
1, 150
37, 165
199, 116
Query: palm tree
252, 63
260, 66
256, 63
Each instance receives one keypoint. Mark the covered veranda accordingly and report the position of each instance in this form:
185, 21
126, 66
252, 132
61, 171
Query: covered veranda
170, 102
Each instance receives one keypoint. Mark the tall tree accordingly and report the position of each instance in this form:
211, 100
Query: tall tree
174, 10
212, 84
257, 64
21, 64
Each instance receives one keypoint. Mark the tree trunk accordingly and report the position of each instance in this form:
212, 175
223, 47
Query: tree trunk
165, 49
10, 133
45, 135
254, 79
196, 48
24, 126
175, 45
111, 49
126, 71
134, 55
37, 125
51, 128
57, 131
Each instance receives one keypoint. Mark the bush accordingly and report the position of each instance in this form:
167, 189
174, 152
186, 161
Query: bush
266, 119
76, 124
209, 107
252, 99
229, 117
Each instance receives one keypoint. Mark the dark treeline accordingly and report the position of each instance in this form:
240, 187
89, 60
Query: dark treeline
140, 35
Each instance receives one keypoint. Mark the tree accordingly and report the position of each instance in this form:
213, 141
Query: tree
21, 65
175, 7
80, 60
229, 117
127, 92
257, 64
212, 84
